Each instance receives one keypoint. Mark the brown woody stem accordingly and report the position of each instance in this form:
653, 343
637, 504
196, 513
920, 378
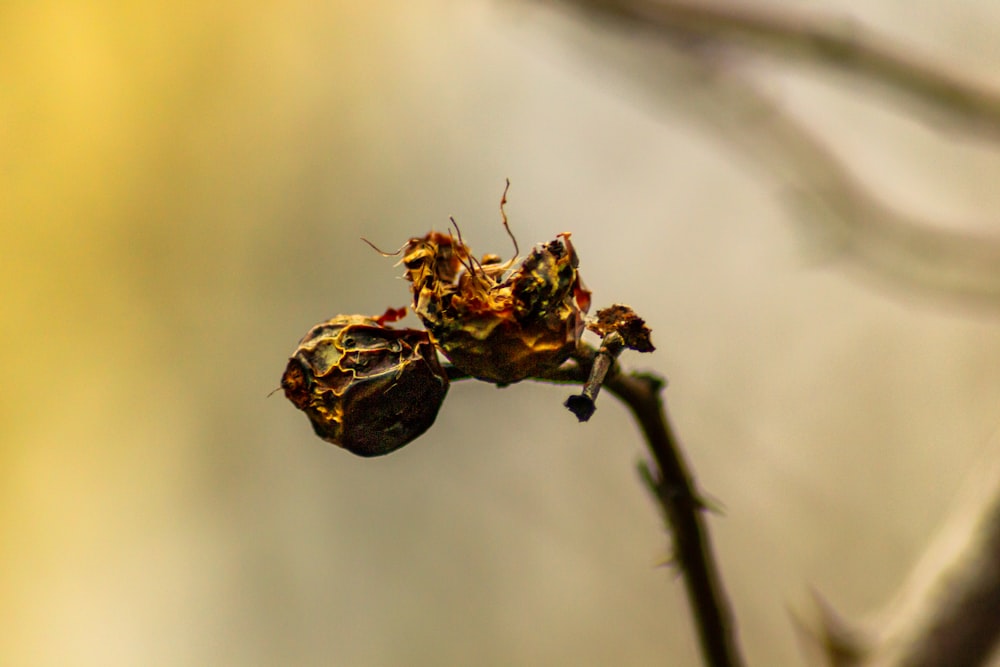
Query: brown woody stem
584, 404
669, 480
671, 484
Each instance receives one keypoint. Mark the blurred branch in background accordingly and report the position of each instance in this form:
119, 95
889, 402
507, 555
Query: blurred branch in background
797, 38
947, 612
697, 75
950, 613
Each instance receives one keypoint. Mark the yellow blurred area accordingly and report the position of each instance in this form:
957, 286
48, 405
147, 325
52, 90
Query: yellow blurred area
148, 151
183, 191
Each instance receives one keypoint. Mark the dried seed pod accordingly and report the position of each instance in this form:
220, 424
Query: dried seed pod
494, 323
365, 386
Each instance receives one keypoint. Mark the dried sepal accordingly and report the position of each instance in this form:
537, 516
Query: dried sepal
366, 387
622, 319
492, 321
391, 315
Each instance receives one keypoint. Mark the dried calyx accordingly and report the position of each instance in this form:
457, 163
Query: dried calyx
492, 321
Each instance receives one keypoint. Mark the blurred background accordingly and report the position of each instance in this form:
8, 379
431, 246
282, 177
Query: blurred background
183, 191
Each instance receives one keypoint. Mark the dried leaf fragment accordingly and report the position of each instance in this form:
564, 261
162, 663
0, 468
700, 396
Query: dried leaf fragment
622, 319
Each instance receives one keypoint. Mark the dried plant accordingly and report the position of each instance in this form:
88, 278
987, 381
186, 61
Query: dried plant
504, 322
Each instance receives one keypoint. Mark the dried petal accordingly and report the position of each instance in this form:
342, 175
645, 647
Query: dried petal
366, 387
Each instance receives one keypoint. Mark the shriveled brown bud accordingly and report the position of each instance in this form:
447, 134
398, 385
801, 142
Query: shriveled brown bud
365, 386
492, 322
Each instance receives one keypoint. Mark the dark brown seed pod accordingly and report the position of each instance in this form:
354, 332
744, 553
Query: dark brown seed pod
365, 386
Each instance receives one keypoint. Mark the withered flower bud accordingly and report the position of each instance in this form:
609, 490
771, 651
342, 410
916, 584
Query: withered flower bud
492, 322
365, 386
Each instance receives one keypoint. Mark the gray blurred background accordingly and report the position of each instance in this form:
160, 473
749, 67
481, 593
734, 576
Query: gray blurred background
184, 188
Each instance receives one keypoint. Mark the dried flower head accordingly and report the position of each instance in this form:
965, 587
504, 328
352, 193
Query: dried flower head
493, 321
365, 386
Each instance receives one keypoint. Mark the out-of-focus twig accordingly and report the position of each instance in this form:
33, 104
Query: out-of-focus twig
902, 248
805, 37
948, 613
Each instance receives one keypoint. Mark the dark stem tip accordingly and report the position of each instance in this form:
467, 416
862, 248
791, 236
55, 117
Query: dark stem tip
581, 406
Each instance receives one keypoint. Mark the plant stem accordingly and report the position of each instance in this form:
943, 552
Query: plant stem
584, 404
670, 481
673, 487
